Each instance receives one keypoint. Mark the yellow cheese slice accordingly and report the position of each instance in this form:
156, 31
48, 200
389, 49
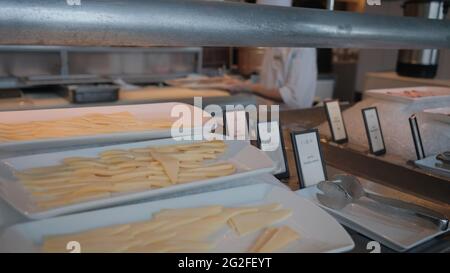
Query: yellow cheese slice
175, 222
193, 234
115, 243
246, 223
66, 200
151, 237
231, 212
61, 240
195, 212
201, 229
145, 226
262, 239
131, 186
170, 164
282, 237
173, 246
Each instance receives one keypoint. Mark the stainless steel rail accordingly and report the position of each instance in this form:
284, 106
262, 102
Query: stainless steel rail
207, 23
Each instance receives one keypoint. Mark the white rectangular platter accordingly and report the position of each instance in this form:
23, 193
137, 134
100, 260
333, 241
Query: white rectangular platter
319, 232
429, 164
396, 232
430, 94
145, 112
439, 114
248, 160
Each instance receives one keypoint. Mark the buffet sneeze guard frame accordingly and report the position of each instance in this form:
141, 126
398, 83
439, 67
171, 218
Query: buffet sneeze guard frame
336, 122
312, 150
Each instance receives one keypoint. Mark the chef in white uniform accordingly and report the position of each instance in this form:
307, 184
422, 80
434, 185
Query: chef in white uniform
287, 74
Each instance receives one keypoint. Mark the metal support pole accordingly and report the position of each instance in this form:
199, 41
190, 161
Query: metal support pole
208, 23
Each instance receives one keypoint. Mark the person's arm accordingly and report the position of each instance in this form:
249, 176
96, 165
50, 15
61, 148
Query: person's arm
259, 89
271, 93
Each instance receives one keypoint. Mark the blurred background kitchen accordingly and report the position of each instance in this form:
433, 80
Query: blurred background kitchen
47, 77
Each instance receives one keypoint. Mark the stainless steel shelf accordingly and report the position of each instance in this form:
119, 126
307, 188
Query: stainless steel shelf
30, 65
208, 23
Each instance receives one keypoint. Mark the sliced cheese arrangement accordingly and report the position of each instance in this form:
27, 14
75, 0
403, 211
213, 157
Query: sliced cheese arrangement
78, 179
185, 230
50, 184
42, 129
89, 124
200, 222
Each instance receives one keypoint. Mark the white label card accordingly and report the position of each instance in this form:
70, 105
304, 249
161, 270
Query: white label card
237, 125
269, 135
336, 121
373, 130
310, 159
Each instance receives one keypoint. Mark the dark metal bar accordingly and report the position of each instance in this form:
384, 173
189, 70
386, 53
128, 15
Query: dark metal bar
403, 178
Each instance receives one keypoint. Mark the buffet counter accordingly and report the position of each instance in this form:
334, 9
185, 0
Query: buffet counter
388, 169
387, 175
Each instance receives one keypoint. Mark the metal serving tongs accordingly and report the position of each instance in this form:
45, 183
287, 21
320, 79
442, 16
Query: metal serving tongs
444, 157
444, 160
346, 189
